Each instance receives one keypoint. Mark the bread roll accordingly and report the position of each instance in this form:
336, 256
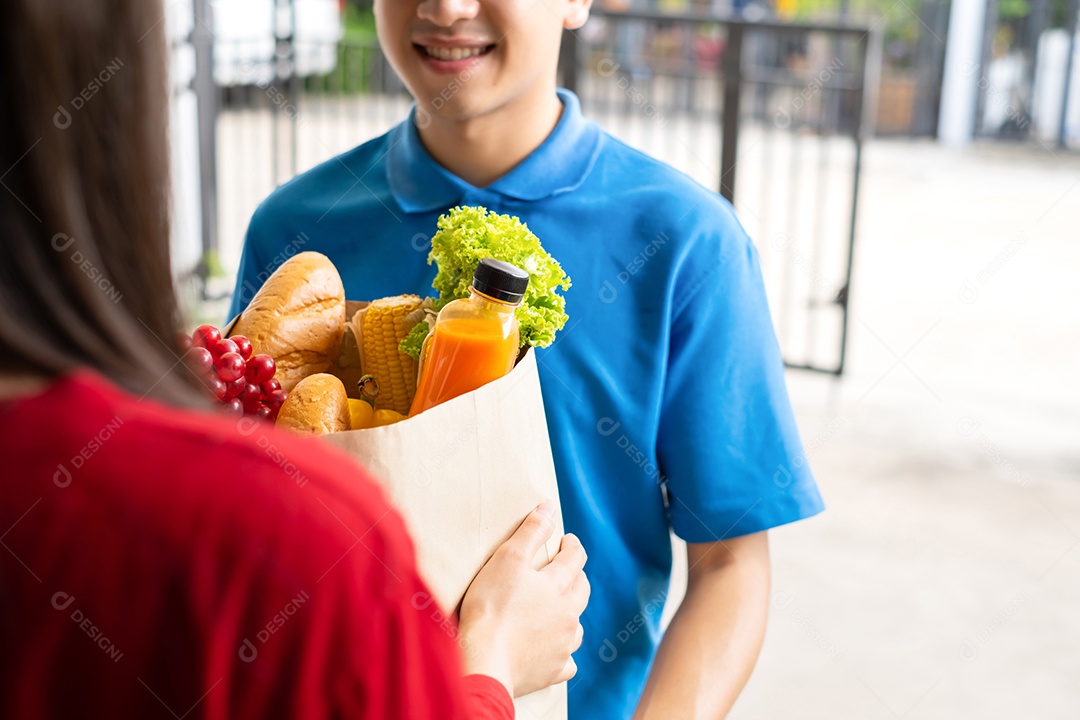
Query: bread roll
316, 406
297, 317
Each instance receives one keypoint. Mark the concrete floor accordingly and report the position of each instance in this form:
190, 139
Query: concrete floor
944, 579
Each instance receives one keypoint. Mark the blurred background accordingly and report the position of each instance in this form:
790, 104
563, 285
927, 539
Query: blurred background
909, 170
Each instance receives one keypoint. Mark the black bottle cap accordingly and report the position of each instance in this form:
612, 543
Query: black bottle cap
500, 280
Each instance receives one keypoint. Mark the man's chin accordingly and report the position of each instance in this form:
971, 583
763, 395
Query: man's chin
452, 111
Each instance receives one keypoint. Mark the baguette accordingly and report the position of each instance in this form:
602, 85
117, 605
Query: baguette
297, 318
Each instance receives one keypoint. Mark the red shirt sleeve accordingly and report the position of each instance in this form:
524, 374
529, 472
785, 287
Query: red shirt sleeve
488, 699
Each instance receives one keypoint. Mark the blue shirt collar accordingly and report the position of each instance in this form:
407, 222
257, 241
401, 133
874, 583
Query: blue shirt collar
560, 164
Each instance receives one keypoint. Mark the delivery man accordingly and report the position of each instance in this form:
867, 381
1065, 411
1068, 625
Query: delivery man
665, 392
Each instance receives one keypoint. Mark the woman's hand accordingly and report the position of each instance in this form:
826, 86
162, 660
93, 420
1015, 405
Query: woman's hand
518, 624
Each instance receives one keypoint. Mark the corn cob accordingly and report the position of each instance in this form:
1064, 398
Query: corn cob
383, 326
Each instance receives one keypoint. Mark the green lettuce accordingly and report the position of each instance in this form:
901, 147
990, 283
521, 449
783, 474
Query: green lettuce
413, 342
467, 235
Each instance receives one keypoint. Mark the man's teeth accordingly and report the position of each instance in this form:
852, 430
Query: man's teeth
444, 53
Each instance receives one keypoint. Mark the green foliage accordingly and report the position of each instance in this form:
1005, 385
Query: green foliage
1013, 8
359, 22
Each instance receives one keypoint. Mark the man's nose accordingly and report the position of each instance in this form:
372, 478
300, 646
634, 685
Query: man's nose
445, 13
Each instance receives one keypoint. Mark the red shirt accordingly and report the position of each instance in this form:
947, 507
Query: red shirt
166, 563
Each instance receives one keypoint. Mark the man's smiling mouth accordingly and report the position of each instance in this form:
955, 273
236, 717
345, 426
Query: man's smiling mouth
449, 54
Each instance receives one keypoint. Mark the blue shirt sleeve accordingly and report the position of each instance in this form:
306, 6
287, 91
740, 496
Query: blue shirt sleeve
728, 444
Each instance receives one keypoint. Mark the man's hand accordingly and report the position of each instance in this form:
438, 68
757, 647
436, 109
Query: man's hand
710, 648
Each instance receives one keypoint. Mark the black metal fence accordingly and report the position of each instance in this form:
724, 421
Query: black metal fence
771, 115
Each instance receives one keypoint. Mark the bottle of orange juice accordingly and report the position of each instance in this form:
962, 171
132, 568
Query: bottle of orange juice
475, 340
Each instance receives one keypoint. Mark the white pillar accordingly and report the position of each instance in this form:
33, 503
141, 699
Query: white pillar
959, 87
186, 214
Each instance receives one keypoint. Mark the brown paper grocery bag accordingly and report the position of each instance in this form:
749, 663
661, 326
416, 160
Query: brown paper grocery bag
464, 475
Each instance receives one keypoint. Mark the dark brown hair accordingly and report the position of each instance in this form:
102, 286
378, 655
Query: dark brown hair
85, 278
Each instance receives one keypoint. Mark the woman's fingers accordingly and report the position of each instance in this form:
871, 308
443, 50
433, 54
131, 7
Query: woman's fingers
570, 559
568, 672
580, 592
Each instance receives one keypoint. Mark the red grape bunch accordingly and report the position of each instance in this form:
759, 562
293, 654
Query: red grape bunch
243, 383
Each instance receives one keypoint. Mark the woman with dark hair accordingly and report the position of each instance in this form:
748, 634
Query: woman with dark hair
159, 559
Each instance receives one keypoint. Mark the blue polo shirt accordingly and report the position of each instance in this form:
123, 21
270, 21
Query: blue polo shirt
664, 393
